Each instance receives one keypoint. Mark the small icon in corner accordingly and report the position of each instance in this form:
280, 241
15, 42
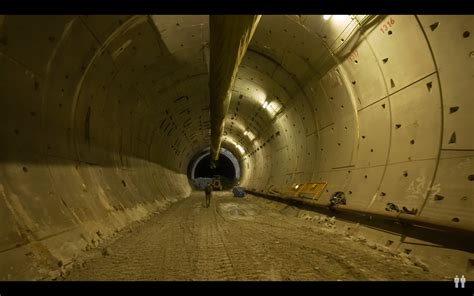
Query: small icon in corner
463, 281
458, 280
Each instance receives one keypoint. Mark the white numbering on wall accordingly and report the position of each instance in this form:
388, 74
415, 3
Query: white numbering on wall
435, 189
464, 164
419, 188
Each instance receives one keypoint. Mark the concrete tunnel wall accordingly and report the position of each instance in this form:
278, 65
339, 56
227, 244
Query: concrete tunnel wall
102, 114
389, 122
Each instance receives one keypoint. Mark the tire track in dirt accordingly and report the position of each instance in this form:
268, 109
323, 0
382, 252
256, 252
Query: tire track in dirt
238, 239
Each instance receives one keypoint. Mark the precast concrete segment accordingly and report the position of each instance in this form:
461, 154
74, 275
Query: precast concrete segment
100, 119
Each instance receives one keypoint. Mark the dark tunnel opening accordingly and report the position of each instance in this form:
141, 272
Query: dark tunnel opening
223, 167
107, 122
227, 169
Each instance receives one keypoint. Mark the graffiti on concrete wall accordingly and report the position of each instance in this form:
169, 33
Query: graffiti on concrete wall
420, 188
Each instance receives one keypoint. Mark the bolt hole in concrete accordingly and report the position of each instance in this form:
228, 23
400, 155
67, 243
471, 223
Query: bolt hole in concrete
453, 109
438, 197
434, 26
452, 140
124, 184
466, 34
470, 177
389, 32
392, 84
25, 169
455, 219
412, 142
429, 86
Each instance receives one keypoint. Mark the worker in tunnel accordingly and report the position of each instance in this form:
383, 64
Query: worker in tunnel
208, 190
109, 121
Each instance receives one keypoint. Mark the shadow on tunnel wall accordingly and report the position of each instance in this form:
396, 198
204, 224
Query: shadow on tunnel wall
82, 154
78, 108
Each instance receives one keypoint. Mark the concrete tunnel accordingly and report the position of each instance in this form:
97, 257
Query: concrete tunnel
103, 116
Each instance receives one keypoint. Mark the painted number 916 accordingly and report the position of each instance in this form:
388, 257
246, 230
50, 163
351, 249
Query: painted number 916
388, 24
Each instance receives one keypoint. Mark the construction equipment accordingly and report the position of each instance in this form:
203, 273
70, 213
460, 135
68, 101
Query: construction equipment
238, 191
216, 182
311, 190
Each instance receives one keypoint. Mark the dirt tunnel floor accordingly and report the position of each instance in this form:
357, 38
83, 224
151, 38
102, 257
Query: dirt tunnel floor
240, 239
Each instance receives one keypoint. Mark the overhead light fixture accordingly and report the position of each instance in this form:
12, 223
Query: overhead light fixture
265, 104
246, 132
273, 107
326, 17
250, 135
240, 148
235, 144
340, 19
258, 95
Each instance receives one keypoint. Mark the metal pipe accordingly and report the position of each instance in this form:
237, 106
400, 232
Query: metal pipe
230, 36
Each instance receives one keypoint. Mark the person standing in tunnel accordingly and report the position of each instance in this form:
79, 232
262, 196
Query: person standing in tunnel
208, 191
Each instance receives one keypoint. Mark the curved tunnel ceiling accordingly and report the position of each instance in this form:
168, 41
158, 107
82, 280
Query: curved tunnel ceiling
104, 113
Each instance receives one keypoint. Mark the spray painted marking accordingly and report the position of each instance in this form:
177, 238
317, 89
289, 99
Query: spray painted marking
464, 165
416, 188
388, 24
354, 55
419, 188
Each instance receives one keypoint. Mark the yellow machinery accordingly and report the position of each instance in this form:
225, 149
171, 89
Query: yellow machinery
307, 190
216, 182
